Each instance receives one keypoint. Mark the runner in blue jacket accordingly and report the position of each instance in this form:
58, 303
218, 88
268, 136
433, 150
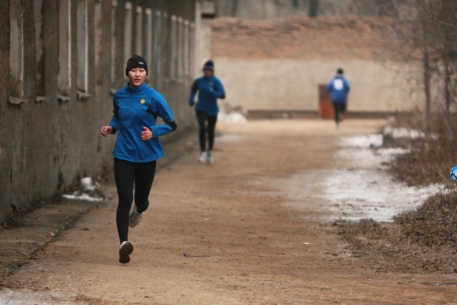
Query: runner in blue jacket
209, 89
136, 108
339, 87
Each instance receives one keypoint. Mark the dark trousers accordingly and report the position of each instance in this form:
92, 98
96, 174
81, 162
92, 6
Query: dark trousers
340, 109
128, 174
206, 124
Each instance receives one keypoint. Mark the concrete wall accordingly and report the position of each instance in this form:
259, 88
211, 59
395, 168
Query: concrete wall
260, 9
63, 64
279, 64
286, 84
203, 47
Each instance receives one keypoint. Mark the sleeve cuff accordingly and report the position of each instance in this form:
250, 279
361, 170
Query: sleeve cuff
154, 131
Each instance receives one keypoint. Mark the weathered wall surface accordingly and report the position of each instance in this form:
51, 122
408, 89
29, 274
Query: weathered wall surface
279, 64
287, 84
260, 9
63, 65
270, 9
204, 42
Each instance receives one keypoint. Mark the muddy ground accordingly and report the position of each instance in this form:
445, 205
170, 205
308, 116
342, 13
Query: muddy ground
422, 240
244, 242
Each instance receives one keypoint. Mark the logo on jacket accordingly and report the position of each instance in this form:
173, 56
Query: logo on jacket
338, 83
142, 101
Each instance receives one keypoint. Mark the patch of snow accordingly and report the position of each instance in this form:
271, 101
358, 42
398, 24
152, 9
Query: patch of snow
390, 153
89, 191
359, 187
354, 195
362, 141
403, 133
367, 158
87, 184
27, 297
233, 117
83, 197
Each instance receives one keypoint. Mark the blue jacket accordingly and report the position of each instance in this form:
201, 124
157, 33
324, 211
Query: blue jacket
133, 109
209, 90
338, 87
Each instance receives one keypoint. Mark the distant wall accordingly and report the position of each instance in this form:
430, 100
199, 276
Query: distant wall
287, 84
60, 60
260, 9
279, 64
272, 9
203, 50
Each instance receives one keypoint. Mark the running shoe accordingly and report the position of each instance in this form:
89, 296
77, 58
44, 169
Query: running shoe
125, 250
203, 157
210, 157
135, 218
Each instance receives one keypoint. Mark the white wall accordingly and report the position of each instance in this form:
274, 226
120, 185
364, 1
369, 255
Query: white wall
203, 41
282, 84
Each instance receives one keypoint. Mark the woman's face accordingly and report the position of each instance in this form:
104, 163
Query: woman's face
137, 76
208, 72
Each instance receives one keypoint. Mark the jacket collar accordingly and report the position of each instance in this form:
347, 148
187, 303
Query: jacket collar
137, 89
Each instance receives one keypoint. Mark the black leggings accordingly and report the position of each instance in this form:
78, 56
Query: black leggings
339, 111
204, 128
126, 175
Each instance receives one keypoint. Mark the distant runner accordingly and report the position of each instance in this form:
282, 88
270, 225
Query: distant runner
136, 108
209, 89
339, 88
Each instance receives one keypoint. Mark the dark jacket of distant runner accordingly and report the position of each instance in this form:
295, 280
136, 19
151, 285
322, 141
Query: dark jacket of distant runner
209, 90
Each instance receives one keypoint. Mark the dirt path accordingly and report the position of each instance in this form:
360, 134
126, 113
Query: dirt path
248, 245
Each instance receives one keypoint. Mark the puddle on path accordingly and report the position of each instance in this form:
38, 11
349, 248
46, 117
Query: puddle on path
358, 187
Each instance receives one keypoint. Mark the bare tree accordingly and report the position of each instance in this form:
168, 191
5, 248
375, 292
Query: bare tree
424, 32
313, 8
234, 8
442, 23
427, 73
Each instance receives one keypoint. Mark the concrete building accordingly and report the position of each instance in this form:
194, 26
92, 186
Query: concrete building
62, 60
280, 65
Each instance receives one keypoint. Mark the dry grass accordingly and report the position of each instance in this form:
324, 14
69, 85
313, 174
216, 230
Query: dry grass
430, 158
422, 241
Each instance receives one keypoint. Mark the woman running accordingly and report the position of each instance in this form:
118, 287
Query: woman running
136, 108
209, 89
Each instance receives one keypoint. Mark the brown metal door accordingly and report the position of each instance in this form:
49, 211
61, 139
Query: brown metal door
325, 104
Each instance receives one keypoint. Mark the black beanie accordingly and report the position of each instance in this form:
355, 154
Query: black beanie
339, 71
209, 65
136, 61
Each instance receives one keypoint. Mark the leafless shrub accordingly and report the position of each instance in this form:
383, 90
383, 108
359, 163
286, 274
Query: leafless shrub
425, 35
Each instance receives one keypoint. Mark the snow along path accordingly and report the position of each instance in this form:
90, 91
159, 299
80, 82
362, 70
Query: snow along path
359, 186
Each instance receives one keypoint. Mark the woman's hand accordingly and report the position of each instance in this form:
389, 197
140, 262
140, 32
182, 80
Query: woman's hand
146, 134
106, 130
